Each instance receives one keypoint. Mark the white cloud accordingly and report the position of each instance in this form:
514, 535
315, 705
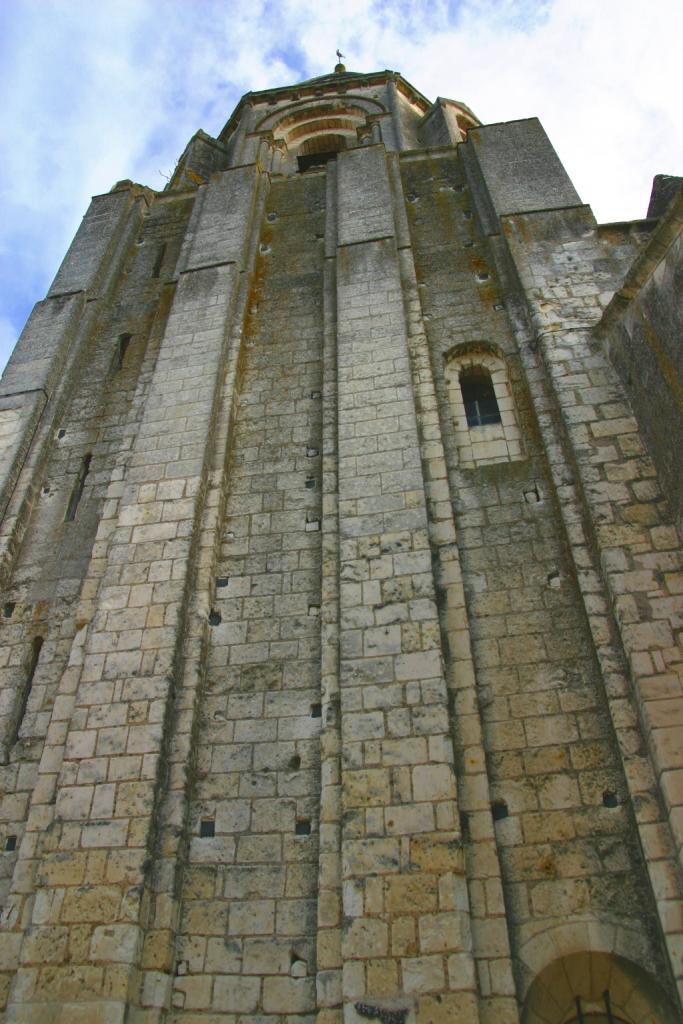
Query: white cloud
94, 93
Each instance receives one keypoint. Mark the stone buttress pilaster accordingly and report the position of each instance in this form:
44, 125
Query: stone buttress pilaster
491, 953
329, 960
50, 354
406, 919
92, 822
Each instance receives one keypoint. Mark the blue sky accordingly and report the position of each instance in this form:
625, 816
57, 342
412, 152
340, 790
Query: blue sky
97, 92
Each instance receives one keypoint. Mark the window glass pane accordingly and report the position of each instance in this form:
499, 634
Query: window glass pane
479, 398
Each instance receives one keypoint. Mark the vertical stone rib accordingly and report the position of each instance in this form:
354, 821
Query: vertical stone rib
490, 939
405, 900
329, 981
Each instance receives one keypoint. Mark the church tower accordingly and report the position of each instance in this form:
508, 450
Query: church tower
341, 671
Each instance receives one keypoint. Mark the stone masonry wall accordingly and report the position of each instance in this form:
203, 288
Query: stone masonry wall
301, 717
248, 921
564, 828
620, 529
42, 597
641, 328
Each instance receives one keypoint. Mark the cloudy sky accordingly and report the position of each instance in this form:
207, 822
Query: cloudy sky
98, 91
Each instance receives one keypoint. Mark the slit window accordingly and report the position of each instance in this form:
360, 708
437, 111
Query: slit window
124, 342
36, 647
156, 269
479, 398
77, 492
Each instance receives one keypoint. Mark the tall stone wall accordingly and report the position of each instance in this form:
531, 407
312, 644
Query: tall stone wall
641, 329
248, 915
564, 828
319, 700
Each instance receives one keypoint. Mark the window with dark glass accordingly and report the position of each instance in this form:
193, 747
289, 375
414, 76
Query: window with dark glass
479, 398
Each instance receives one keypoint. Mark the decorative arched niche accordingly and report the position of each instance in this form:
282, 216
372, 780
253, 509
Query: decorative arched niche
481, 405
594, 987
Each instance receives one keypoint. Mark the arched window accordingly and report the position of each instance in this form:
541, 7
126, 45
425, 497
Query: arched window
481, 403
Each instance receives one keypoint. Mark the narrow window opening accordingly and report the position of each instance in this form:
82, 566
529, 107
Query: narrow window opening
36, 647
316, 710
215, 618
61, 433
8, 610
479, 398
499, 810
302, 827
295, 763
159, 260
77, 492
124, 342
222, 581
10, 844
310, 483
610, 799
207, 828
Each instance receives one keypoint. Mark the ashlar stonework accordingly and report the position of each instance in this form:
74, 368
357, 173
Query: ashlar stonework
341, 675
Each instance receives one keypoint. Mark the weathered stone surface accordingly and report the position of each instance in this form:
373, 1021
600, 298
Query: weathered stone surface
341, 665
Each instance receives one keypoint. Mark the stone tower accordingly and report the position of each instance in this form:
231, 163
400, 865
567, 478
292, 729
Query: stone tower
341, 667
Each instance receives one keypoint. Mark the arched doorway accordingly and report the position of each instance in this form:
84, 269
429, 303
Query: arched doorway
597, 988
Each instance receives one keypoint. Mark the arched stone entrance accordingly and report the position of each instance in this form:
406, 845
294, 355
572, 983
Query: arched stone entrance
596, 988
